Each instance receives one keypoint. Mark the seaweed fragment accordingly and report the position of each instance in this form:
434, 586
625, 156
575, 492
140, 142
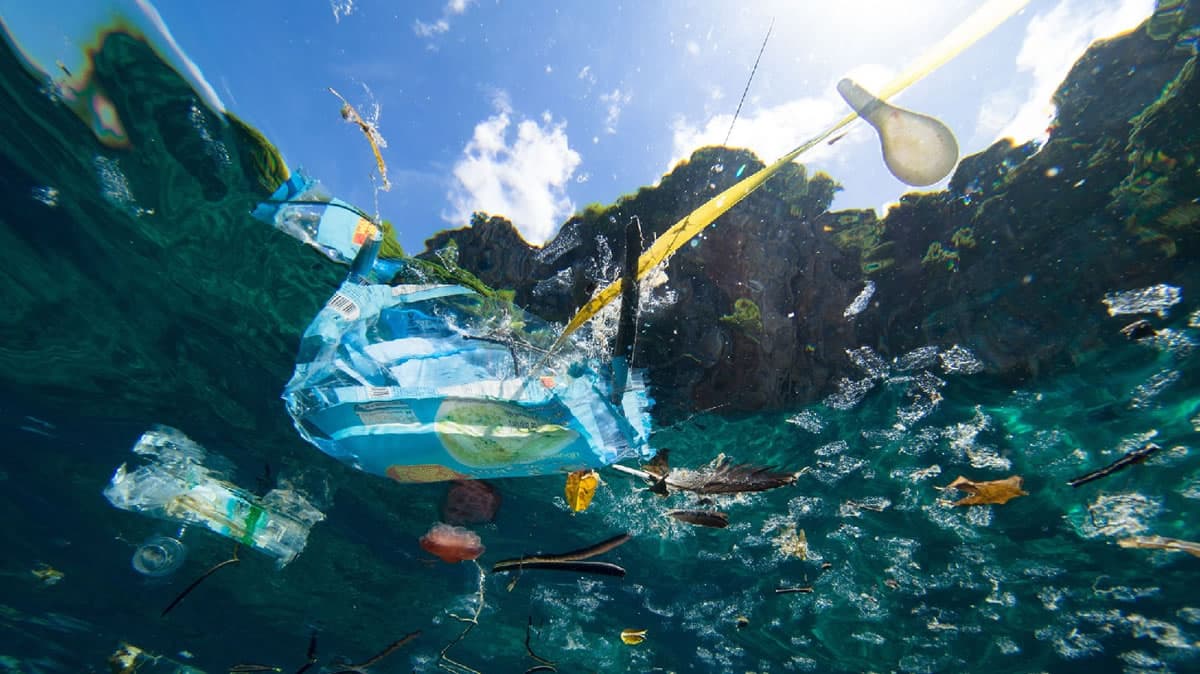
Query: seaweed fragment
1135, 456
701, 518
351, 115
187, 590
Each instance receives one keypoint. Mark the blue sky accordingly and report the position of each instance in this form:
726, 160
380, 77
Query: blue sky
534, 109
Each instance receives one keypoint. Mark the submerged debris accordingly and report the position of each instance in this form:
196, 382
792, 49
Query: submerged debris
1136, 456
702, 518
581, 487
1139, 329
992, 492
633, 637
387, 650
569, 561
719, 477
1161, 543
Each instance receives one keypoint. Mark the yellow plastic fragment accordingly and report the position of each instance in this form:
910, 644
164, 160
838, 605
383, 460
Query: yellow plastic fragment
581, 487
633, 637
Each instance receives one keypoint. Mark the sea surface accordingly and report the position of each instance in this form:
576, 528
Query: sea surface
175, 307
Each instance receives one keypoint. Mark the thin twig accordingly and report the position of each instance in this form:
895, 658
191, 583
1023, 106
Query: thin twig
529, 649
195, 583
391, 648
444, 661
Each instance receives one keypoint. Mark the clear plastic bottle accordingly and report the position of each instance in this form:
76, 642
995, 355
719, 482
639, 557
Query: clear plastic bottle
177, 485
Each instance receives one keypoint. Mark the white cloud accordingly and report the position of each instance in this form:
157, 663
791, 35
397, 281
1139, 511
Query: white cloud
770, 132
429, 29
1053, 42
615, 101
586, 75
522, 178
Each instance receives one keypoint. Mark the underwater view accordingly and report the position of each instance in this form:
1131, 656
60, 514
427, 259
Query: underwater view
366, 337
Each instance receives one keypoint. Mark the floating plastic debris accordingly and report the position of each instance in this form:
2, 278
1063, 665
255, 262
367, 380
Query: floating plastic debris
860, 303
1155, 299
159, 556
581, 487
177, 485
960, 360
918, 149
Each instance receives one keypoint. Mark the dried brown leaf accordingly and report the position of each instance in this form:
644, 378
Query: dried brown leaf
991, 492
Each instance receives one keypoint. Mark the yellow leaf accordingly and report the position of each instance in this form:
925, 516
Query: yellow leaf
991, 492
633, 637
581, 487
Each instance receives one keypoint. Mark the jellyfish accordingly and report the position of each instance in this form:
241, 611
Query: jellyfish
470, 502
918, 149
159, 556
452, 544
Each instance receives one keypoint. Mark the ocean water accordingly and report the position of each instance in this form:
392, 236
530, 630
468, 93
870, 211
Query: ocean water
123, 313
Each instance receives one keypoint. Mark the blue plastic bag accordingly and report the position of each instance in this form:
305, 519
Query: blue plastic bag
431, 382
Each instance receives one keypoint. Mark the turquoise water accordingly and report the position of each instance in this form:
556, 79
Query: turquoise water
128, 312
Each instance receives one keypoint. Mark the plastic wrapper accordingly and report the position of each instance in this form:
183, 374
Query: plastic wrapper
181, 483
422, 383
